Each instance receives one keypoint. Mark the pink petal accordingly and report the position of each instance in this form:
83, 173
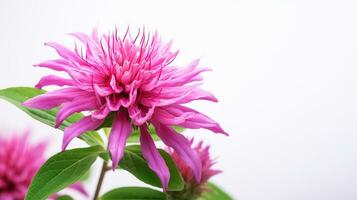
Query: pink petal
77, 105
57, 65
199, 120
152, 155
101, 113
103, 90
192, 119
198, 94
168, 118
115, 87
182, 146
53, 80
78, 186
78, 128
181, 76
65, 52
121, 130
84, 38
53, 99
126, 102
140, 116
171, 95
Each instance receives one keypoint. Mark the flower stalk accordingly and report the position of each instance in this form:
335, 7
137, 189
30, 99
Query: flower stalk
100, 180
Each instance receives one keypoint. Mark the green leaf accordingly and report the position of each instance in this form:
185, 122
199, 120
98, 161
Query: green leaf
64, 197
18, 95
215, 193
86, 176
62, 170
134, 162
134, 193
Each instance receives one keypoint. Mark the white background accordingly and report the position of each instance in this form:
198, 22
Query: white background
284, 71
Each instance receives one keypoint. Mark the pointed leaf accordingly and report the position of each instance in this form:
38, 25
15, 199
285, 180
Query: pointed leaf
64, 197
61, 171
215, 193
134, 193
17, 95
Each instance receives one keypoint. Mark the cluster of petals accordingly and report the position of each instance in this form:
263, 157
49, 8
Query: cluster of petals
132, 78
206, 162
19, 162
194, 189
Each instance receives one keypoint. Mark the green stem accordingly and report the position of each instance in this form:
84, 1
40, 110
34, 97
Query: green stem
100, 180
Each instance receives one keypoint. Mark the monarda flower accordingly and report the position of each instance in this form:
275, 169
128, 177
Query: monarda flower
193, 188
19, 162
132, 78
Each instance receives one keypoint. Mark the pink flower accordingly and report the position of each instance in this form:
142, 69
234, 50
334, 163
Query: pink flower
132, 78
19, 162
194, 189
206, 162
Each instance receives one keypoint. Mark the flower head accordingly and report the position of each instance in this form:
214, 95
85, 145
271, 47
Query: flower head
19, 162
194, 188
132, 78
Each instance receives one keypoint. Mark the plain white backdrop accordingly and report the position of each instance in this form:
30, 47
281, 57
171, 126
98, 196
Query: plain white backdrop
284, 72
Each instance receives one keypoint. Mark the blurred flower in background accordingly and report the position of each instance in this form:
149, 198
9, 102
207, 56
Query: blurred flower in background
194, 189
19, 162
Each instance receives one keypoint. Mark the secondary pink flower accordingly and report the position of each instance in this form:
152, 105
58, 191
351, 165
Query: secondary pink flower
132, 78
19, 162
206, 162
194, 189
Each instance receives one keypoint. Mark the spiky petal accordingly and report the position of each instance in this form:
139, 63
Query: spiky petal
120, 132
152, 155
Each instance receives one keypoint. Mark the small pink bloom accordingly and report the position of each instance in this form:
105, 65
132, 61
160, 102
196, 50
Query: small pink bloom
192, 187
132, 78
206, 162
19, 162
